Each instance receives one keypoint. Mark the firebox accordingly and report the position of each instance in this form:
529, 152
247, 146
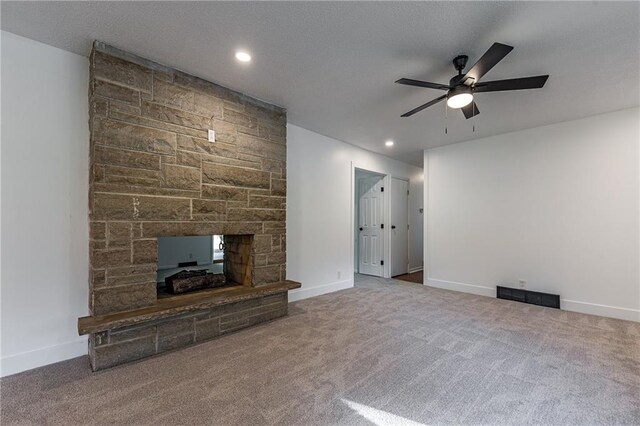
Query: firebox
192, 263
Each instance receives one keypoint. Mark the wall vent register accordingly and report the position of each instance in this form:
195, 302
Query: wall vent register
530, 297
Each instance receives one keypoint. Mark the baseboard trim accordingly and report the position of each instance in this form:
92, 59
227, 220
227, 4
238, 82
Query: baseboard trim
600, 310
17, 363
463, 287
566, 305
305, 293
416, 269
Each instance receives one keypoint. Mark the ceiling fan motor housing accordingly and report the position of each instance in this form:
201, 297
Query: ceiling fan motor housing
460, 62
457, 79
458, 90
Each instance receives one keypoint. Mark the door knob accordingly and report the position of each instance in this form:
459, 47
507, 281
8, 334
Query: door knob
393, 227
361, 228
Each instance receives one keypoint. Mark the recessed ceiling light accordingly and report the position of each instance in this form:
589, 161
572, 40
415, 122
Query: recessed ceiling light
389, 143
243, 56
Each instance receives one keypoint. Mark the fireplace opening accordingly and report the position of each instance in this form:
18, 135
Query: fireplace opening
195, 263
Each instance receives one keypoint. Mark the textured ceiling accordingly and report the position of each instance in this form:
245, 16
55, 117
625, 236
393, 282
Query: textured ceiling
333, 64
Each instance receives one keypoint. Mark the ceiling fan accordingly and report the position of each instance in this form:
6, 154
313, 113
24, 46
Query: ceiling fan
462, 87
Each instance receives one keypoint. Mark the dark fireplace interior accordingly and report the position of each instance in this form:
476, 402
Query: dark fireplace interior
195, 263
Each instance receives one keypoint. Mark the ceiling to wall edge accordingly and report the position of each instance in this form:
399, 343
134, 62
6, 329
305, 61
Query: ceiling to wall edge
555, 123
162, 66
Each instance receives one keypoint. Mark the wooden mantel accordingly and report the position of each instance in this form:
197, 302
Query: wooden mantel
174, 305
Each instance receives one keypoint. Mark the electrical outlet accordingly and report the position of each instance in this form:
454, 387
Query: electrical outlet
212, 135
522, 283
339, 274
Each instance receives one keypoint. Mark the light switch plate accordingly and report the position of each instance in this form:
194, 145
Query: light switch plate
212, 135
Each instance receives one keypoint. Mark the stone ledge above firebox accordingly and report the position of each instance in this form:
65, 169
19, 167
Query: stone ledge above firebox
171, 306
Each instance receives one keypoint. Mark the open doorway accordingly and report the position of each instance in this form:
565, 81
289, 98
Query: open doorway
399, 227
369, 222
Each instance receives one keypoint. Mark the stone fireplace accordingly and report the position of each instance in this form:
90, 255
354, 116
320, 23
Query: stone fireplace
155, 174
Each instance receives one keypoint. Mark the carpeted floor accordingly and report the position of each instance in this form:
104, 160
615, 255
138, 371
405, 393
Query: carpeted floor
381, 353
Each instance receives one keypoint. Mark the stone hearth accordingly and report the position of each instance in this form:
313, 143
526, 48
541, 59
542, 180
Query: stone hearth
154, 173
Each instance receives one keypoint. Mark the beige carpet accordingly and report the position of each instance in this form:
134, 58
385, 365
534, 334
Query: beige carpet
386, 352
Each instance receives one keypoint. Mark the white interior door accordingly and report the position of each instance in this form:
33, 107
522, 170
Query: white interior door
370, 218
399, 227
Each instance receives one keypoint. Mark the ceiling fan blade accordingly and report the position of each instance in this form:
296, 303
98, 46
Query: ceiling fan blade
418, 83
512, 84
491, 57
470, 110
421, 107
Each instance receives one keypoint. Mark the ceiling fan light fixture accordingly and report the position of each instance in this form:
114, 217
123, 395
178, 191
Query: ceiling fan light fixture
459, 97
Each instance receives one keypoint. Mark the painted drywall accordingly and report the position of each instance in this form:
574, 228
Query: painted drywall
320, 203
44, 232
556, 206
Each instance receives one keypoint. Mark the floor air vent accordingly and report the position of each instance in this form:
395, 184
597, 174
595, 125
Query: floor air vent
531, 297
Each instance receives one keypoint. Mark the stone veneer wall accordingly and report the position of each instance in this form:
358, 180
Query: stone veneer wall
117, 346
153, 173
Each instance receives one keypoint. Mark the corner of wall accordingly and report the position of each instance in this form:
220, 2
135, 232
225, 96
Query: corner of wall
305, 293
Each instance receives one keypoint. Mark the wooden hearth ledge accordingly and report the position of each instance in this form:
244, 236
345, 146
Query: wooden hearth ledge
174, 305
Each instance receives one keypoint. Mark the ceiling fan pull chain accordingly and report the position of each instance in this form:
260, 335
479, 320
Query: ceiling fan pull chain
474, 118
446, 109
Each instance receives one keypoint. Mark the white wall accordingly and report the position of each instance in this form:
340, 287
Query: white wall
319, 209
557, 206
44, 231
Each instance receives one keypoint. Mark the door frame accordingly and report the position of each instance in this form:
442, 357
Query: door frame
391, 260
386, 249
